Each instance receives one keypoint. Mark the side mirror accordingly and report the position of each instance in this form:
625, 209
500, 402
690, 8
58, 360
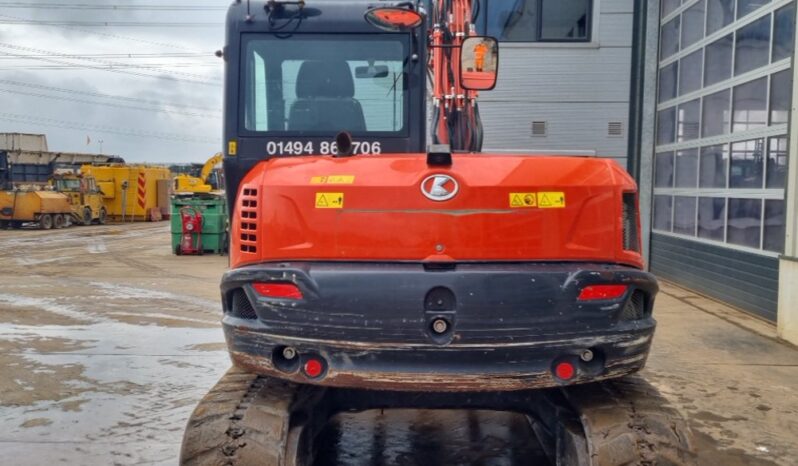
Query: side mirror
479, 63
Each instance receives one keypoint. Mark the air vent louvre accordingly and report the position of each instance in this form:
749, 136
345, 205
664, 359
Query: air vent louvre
539, 128
615, 128
248, 208
631, 241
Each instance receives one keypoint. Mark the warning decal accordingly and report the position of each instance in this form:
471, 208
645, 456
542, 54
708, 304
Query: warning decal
333, 179
329, 200
551, 200
519, 200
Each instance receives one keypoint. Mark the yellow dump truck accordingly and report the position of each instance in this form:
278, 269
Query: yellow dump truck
84, 195
47, 208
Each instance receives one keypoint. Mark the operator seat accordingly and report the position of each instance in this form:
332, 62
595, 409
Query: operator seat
325, 101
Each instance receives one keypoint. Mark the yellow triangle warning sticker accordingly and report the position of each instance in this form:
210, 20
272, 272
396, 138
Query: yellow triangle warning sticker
329, 200
551, 200
521, 200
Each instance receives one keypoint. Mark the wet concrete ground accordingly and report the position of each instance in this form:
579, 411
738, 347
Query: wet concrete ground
107, 341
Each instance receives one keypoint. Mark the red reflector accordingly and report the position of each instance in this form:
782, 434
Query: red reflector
565, 370
313, 368
278, 290
596, 292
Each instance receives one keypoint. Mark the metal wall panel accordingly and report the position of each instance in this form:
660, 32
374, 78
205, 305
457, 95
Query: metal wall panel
569, 126
577, 89
747, 281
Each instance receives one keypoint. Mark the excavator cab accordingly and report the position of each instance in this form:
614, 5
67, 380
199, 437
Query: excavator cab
308, 72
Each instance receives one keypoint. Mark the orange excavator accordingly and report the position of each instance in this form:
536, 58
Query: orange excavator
372, 268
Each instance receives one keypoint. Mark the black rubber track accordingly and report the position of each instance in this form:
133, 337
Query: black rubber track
627, 421
253, 420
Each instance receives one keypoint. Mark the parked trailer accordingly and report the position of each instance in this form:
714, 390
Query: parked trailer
47, 208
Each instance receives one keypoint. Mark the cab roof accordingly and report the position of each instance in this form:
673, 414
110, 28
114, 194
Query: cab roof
341, 16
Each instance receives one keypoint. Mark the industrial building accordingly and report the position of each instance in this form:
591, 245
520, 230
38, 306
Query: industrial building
694, 98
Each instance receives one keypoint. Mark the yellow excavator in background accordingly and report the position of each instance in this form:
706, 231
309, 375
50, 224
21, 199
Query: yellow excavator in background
187, 184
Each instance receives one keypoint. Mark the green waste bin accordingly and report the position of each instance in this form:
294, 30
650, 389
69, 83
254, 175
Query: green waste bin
214, 221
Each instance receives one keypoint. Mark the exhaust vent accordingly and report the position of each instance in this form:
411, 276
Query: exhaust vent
241, 307
539, 128
248, 208
635, 307
631, 242
615, 128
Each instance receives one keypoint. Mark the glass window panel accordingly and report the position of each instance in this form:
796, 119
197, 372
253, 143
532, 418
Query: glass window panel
746, 164
745, 220
693, 24
753, 46
783, 30
715, 117
663, 170
690, 72
687, 118
669, 5
565, 20
712, 218
780, 97
666, 126
774, 226
714, 165
684, 215
718, 65
687, 168
513, 21
745, 7
720, 13
669, 44
777, 162
750, 105
667, 81
662, 212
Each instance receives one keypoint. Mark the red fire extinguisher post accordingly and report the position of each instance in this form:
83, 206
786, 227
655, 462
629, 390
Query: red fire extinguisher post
191, 241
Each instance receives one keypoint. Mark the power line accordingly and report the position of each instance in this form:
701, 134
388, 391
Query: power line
115, 105
108, 67
89, 6
114, 36
202, 79
208, 55
44, 121
9, 82
146, 24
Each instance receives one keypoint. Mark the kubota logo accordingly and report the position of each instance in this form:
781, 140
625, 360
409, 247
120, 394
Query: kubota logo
439, 187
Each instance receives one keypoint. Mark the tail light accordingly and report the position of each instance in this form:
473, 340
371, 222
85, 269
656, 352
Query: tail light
278, 290
631, 240
601, 292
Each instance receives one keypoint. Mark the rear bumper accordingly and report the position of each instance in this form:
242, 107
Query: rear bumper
509, 325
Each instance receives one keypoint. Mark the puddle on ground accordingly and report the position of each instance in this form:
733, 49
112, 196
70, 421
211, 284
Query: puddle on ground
103, 392
411, 437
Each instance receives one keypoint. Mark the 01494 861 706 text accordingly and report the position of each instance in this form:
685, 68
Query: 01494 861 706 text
323, 148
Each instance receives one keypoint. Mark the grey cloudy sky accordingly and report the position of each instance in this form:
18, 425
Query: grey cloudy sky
70, 78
